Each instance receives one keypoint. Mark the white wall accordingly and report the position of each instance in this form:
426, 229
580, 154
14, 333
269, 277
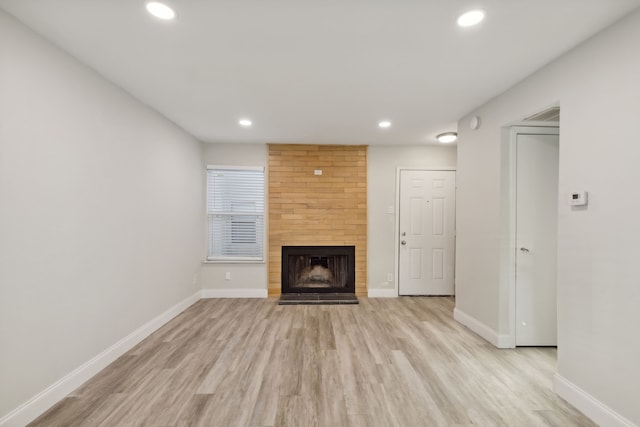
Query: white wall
383, 164
100, 213
597, 87
247, 279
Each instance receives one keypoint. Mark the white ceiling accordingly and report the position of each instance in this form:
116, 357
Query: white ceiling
317, 71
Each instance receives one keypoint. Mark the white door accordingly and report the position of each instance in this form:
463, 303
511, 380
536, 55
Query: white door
427, 232
536, 239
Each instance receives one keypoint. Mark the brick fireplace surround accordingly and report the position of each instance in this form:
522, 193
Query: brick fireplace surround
306, 209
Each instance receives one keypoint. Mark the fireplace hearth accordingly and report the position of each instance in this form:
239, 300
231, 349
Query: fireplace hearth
318, 274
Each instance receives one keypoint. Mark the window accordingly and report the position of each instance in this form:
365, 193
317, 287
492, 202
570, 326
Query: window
235, 213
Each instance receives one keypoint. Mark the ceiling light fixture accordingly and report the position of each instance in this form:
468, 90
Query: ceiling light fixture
160, 10
245, 122
471, 18
384, 124
447, 137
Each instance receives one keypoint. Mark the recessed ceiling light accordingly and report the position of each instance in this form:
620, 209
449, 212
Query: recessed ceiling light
384, 124
471, 18
160, 10
245, 122
447, 137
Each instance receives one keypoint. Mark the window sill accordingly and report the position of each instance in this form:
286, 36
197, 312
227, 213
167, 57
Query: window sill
233, 261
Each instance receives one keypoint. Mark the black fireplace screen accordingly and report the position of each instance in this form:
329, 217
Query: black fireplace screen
318, 269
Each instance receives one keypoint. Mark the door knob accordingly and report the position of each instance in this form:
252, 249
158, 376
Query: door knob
525, 250
403, 242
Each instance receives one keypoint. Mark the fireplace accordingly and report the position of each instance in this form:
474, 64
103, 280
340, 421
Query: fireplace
318, 269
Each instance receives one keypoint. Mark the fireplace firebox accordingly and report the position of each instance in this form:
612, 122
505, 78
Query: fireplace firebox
318, 269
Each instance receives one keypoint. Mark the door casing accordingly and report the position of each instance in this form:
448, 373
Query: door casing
513, 133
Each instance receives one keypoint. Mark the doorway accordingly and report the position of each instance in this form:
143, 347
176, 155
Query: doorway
534, 183
426, 240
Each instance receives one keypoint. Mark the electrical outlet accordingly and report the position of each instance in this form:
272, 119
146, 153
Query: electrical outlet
389, 277
227, 275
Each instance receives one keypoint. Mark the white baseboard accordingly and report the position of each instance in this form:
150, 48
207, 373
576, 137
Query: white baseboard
599, 413
234, 293
382, 293
37, 405
498, 340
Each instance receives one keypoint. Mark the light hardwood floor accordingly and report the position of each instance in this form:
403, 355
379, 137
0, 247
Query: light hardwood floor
385, 362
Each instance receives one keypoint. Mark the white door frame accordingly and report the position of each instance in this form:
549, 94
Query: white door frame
514, 131
396, 252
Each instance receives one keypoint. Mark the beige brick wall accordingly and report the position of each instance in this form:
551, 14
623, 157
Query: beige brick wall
308, 209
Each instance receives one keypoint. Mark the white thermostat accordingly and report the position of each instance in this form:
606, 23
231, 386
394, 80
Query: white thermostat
578, 198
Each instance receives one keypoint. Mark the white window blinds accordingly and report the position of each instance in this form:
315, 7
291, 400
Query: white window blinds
235, 213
